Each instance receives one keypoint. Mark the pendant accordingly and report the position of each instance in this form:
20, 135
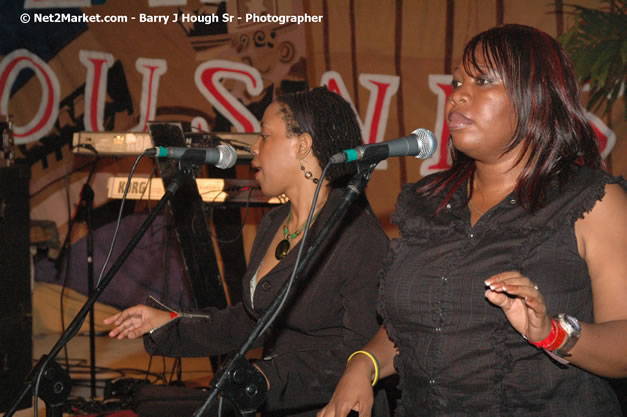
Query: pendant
281, 249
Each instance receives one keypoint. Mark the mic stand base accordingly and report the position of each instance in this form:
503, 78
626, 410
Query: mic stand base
243, 385
78, 320
55, 385
54, 411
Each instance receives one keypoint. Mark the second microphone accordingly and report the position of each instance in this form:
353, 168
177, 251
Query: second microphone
420, 143
222, 156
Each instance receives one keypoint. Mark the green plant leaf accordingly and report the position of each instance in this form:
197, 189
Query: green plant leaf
597, 45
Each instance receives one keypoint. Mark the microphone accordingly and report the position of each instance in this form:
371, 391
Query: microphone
222, 156
420, 143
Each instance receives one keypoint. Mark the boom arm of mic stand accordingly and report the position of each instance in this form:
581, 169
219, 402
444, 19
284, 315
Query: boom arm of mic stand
232, 376
78, 320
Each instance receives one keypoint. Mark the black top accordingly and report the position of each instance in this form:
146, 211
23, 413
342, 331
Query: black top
459, 356
331, 312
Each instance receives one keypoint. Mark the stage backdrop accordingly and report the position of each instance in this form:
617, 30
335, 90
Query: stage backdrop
112, 65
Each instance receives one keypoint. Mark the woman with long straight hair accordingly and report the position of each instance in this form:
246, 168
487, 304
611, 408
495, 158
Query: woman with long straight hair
506, 294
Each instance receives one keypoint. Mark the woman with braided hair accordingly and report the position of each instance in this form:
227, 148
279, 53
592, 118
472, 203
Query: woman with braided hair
332, 308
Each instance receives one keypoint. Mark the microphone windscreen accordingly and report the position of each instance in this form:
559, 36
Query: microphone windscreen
426, 143
228, 156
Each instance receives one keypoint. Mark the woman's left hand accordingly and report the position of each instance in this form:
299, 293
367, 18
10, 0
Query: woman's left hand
521, 302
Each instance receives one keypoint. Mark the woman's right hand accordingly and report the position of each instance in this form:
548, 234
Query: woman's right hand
136, 321
353, 392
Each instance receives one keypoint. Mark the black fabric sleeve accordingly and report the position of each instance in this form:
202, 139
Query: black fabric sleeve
209, 332
219, 332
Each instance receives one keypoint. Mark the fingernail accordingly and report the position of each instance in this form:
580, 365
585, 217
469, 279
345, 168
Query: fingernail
492, 287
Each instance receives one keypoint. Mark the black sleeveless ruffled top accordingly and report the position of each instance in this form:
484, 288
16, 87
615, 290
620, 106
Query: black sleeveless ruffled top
459, 356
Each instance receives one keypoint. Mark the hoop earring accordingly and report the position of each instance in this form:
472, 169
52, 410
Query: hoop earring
308, 174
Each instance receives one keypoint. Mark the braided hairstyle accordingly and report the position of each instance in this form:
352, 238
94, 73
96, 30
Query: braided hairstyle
330, 121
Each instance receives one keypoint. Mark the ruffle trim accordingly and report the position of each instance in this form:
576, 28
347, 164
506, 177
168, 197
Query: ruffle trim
395, 245
502, 365
388, 260
576, 199
592, 197
415, 215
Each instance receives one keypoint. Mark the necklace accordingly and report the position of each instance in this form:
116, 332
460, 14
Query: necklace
284, 245
472, 206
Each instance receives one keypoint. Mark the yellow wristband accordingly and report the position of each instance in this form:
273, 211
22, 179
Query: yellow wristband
374, 360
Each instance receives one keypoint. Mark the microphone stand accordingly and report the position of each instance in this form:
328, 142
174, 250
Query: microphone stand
239, 381
87, 196
55, 377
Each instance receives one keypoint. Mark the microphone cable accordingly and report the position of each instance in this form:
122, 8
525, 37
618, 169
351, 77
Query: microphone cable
119, 219
303, 242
